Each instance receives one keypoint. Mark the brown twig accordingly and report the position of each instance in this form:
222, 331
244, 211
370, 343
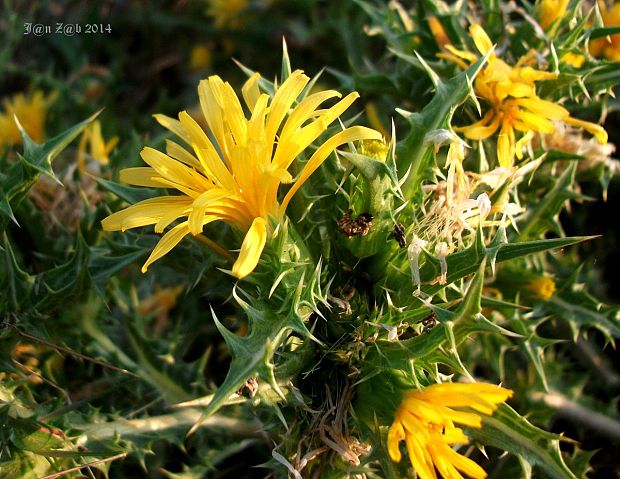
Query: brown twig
79, 468
73, 353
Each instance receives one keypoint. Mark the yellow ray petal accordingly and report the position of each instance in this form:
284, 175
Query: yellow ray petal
306, 109
233, 114
283, 100
419, 457
250, 91
291, 146
256, 125
396, 433
216, 169
542, 107
481, 39
174, 126
200, 207
482, 129
166, 243
251, 249
140, 176
174, 171
466, 418
462, 463
176, 151
195, 133
463, 54
597, 130
535, 122
505, 146
454, 436
530, 74
350, 134
146, 212
211, 104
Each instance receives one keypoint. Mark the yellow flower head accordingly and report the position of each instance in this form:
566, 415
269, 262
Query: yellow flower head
426, 421
542, 287
514, 107
376, 149
226, 13
608, 47
200, 58
30, 110
576, 60
550, 11
235, 178
99, 149
439, 33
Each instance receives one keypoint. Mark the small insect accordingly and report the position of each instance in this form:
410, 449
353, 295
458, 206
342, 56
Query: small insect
406, 331
429, 322
359, 226
398, 233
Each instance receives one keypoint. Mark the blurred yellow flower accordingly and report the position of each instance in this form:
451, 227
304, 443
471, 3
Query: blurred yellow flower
426, 422
200, 57
608, 47
376, 149
541, 287
375, 122
236, 179
575, 60
226, 13
439, 33
514, 105
30, 110
99, 149
550, 11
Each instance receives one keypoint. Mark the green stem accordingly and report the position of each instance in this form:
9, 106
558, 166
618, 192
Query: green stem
578, 413
180, 419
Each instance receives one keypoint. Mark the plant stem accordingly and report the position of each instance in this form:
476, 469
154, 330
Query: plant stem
180, 419
578, 413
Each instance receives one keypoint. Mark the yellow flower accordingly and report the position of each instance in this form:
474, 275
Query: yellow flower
200, 58
550, 11
541, 287
575, 60
608, 47
439, 33
515, 108
376, 149
426, 422
373, 119
99, 148
236, 178
226, 13
30, 110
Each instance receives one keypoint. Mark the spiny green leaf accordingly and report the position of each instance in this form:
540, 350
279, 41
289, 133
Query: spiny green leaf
543, 217
251, 355
66, 280
129, 194
413, 154
102, 267
14, 281
603, 32
151, 370
582, 315
509, 431
40, 156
